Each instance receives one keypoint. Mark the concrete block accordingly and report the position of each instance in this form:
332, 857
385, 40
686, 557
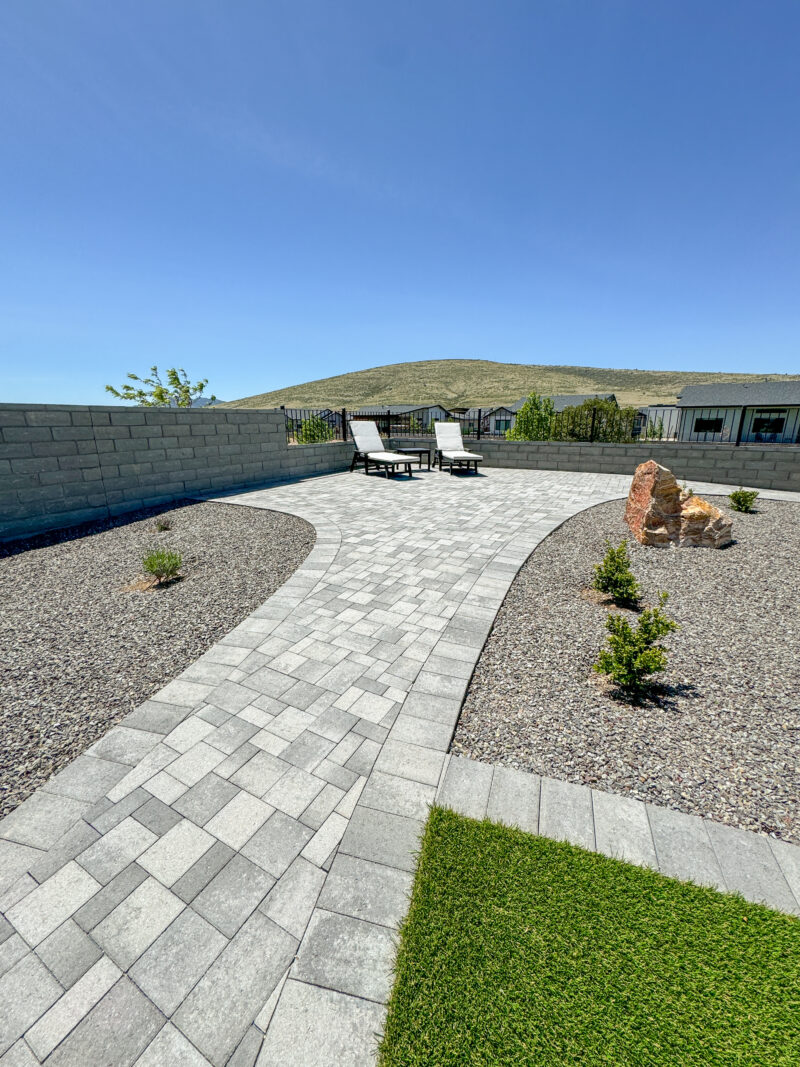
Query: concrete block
221, 1007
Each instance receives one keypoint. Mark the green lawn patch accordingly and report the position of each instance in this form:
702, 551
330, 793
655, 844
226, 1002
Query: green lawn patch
521, 950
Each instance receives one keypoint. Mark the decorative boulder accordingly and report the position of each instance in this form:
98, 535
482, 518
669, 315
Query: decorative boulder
658, 513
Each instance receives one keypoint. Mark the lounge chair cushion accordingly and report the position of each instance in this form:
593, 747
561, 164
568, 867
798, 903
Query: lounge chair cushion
448, 436
455, 455
388, 457
366, 437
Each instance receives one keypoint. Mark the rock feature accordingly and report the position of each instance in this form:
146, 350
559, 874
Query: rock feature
658, 513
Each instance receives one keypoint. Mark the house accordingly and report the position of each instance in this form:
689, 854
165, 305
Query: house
494, 421
660, 421
402, 415
741, 412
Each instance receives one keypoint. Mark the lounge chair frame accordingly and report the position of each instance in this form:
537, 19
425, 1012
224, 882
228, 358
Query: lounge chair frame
465, 461
378, 456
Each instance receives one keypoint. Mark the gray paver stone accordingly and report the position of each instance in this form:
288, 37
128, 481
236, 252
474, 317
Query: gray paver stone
331, 1028
565, 813
276, 844
136, 922
292, 900
622, 829
346, 954
177, 960
201, 873
233, 894
684, 848
750, 868
114, 1032
68, 953
367, 890
466, 787
44, 909
514, 798
86, 778
26, 992
221, 1007
42, 820
383, 838
248, 1049
170, 1048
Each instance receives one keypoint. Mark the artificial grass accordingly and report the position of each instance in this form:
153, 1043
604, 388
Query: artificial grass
520, 950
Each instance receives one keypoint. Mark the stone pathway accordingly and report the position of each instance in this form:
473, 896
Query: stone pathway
219, 879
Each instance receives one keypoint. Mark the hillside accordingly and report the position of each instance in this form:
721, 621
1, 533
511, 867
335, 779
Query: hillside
482, 382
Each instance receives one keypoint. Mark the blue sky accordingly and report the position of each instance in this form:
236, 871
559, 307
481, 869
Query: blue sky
271, 192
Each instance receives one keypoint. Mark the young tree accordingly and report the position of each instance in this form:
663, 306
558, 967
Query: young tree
597, 419
314, 430
154, 393
534, 420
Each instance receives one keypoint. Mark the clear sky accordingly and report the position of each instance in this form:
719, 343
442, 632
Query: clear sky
272, 191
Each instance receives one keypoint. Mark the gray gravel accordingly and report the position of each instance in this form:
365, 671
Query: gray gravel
724, 738
79, 651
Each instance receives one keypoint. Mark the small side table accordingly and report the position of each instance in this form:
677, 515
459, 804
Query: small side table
418, 452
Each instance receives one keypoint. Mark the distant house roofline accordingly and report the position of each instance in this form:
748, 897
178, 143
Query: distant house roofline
741, 394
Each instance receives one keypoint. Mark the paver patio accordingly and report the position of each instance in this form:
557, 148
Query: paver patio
219, 879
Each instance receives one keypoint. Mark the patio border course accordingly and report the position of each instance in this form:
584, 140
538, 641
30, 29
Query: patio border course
232, 895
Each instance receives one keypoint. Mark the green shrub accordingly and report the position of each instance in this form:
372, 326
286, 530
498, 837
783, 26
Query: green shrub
534, 420
162, 564
313, 430
743, 499
634, 654
615, 577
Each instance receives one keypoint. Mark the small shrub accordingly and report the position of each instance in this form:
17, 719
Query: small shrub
163, 524
615, 577
162, 564
743, 499
314, 430
634, 654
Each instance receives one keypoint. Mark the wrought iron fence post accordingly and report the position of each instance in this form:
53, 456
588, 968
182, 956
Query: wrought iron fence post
344, 424
591, 428
480, 413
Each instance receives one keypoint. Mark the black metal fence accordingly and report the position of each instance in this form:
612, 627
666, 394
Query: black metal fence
591, 423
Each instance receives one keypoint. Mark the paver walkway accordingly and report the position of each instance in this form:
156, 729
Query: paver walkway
219, 879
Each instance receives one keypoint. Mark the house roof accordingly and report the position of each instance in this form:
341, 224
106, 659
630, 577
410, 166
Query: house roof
740, 394
472, 413
567, 400
394, 409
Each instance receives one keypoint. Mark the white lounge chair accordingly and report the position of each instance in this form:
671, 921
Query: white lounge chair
370, 449
450, 448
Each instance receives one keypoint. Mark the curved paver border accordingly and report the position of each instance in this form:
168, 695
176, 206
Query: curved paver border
233, 860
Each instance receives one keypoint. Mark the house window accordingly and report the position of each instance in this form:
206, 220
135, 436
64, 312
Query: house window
501, 425
769, 424
702, 425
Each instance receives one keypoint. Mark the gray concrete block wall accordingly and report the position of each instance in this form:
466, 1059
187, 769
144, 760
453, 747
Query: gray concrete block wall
62, 465
762, 466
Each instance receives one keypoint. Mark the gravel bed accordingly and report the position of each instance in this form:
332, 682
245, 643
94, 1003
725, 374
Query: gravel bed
723, 739
81, 648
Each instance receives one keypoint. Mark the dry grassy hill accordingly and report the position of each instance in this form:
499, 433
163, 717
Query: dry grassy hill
482, 382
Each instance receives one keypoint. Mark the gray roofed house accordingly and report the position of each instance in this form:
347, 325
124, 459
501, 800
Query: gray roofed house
741, 412
740, 394
567, 400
